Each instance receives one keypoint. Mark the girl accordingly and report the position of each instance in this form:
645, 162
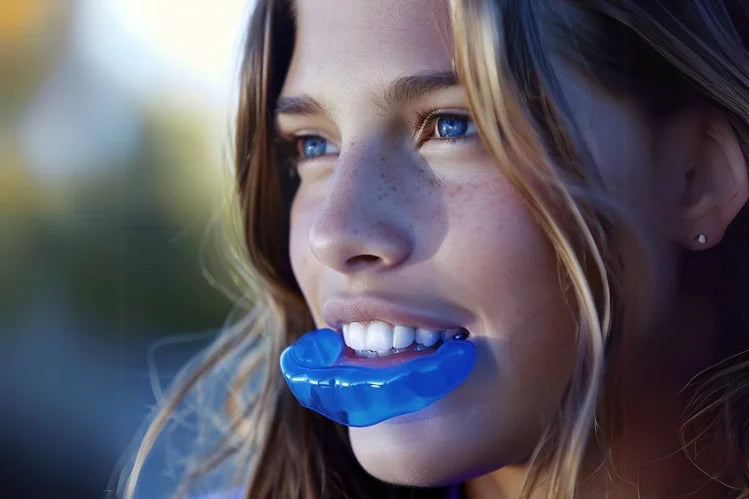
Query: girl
562, 182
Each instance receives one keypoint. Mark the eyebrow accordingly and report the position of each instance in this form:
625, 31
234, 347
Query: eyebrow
400, 91
303, 104
408, 88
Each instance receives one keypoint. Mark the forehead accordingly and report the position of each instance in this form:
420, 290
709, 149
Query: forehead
346, 45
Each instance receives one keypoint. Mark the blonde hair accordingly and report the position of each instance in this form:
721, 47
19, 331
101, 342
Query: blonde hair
685, 52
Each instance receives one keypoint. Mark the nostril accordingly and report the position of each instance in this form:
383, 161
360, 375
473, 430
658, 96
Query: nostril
361, 260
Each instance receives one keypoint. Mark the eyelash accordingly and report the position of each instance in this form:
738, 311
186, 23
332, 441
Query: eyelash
288, 146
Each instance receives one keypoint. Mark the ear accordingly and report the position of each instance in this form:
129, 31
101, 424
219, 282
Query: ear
715, 185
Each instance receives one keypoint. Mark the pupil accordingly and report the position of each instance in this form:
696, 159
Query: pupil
313, 146
451, 126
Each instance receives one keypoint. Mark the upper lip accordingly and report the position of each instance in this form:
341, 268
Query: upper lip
438, 315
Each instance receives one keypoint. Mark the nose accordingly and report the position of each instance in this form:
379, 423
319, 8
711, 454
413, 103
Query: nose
361, 224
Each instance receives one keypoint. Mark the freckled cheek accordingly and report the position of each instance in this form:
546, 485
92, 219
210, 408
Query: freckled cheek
506, 268
494, 244
490, 221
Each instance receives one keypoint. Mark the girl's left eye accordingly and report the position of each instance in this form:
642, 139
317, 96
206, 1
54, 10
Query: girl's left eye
453, 126
443, 126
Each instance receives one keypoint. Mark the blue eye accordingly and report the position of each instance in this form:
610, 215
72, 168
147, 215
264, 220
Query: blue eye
453, 126
312, 146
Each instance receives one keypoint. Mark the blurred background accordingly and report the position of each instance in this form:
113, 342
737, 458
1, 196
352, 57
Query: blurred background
115, 161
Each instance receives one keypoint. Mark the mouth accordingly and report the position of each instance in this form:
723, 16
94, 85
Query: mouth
387, 330
378, 344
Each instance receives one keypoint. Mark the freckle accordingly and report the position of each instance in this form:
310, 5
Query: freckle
382, 175
382, 158
394, 188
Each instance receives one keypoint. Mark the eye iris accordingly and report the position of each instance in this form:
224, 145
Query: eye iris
313, 146
451, 126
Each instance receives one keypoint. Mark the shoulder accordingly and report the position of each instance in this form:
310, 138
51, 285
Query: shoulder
188, 437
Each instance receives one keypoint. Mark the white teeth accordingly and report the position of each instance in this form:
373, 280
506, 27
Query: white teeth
345, 334
357, 336
379, 336
403, 336
427, 337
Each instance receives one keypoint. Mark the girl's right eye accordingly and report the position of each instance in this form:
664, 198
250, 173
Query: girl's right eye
310, 146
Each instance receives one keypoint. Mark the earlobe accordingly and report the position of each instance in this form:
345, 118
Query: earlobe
716, 187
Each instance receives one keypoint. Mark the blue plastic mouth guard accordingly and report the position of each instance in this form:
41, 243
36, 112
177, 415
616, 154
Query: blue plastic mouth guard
363, 396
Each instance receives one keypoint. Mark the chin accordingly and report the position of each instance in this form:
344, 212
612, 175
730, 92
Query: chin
430, 448
404, 462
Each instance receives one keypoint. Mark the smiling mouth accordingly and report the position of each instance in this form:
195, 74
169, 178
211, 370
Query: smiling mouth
377, 338
395, 356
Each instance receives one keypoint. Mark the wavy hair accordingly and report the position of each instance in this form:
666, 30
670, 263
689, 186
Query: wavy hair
661, 56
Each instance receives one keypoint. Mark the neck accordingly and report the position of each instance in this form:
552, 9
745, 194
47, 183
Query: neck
647, 459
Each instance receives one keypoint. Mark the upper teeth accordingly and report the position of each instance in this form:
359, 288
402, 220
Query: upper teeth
379, 336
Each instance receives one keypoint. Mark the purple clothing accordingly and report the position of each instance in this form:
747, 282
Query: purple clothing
453, 492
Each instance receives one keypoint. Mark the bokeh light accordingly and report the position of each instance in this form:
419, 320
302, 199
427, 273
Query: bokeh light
115, 136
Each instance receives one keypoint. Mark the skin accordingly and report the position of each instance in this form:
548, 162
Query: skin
431, 221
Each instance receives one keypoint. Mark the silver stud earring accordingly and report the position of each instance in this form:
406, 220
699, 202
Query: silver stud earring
702, 238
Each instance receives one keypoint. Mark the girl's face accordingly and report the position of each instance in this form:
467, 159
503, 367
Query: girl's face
413, 212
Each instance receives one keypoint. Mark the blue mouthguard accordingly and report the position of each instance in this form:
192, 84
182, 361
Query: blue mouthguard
363, 396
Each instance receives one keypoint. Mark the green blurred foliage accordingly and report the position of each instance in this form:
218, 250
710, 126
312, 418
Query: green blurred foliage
123, 245
120, 246
116, 246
